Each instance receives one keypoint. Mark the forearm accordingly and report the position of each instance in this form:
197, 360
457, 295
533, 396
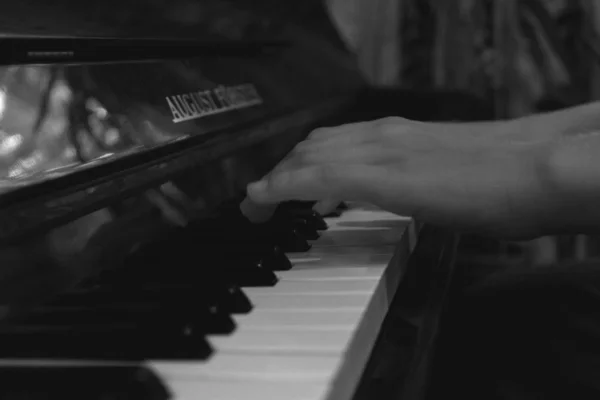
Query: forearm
572, 176
567, 122
551, 125
569, 163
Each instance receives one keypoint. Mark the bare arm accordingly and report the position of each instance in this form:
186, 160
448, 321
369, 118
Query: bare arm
551, 125
573, 166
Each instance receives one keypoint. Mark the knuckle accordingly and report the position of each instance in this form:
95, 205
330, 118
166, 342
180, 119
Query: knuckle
317, 132
388, 121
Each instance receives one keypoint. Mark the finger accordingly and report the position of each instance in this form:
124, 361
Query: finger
328, 132
174, 193
317, 182
326, 206
169, 212
255, 212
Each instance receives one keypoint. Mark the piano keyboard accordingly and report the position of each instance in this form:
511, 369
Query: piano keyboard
309, 336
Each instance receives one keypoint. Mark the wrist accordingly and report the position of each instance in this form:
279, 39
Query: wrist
564, 123
572, 178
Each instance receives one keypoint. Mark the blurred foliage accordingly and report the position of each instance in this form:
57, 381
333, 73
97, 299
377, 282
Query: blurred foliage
528, 55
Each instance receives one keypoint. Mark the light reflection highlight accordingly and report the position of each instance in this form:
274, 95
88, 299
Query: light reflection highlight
10, 144
2, 101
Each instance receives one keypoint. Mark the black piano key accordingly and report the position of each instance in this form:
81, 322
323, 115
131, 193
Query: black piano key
312, 223
315, 220
275, 260
202, 321
237, 302
217, 322
143, 303
250, 275
291, 241
229, 299
101, 343
333, 214
235, 259
343, 206
76, 382
213, 285
296, 205
305, 229
213, 288
180, 276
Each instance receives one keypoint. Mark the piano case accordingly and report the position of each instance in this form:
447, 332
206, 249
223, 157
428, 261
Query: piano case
126, 132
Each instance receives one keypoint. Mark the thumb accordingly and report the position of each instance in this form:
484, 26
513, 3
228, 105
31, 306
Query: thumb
348, 182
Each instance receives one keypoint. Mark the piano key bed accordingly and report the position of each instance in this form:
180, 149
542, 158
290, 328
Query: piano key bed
307, 336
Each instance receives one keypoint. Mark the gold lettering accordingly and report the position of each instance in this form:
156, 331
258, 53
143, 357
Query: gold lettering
196, 99
210, 97
176, 114
183, 107
221, 93
220, 99
190, 104
205, 101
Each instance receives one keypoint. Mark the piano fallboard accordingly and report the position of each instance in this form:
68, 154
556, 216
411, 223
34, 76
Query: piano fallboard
77, 137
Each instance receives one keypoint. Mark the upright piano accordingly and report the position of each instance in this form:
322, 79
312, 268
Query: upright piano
128, 133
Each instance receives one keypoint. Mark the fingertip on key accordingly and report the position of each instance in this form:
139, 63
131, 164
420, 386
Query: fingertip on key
255, 212
325, 207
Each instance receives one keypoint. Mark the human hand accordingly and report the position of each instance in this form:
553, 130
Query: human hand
490, 186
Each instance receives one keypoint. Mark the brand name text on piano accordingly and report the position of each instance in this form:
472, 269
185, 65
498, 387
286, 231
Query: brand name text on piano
199, 104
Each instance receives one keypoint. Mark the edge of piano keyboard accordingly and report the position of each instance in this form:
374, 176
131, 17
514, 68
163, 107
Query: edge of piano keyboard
363, 342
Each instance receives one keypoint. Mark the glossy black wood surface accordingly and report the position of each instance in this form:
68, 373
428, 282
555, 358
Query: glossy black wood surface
94, 162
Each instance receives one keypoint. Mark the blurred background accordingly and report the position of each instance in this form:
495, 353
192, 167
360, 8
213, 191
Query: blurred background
517, 56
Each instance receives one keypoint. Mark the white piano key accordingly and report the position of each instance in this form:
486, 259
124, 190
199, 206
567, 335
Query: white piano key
250, 366
358, 238
342, 252
288, 286
299, 319
339, 273
362, 214
364, 259
182, 389
285, 341
307, 301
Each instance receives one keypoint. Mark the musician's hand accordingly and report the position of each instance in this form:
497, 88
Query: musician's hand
411, 168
